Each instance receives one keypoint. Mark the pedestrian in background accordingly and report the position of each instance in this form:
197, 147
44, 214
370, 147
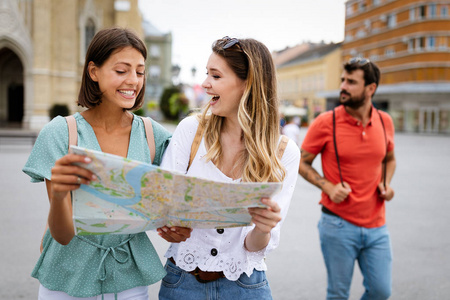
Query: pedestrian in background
239, 141
356, 143
292, 129
71, 267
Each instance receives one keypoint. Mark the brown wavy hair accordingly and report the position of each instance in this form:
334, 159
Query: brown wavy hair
106, 42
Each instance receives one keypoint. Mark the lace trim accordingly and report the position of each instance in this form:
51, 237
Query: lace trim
233, 265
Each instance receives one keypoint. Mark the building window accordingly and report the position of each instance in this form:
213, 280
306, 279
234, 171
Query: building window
349, 9
154, 72
422, 12
420, 43
444, 11
376, 2
361, 33
431, 42
89, 32
412, 14
411, 45
389, 52
432, 10
391, 20
443, 43
374, 57
155, 51
362, 6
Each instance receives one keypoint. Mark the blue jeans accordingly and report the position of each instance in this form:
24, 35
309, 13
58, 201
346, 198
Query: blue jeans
179, 284
342, 243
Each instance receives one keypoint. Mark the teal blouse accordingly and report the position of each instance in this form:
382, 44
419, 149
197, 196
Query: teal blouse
92, 265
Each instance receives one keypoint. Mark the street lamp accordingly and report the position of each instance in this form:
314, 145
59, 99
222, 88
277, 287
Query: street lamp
175, 73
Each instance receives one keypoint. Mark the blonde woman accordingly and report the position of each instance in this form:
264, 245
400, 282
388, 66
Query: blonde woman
240, 143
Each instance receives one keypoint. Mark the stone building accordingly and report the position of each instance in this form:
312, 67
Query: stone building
159, 61
42, 49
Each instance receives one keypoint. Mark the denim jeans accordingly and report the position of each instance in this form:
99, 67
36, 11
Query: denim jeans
344, 243
179, 284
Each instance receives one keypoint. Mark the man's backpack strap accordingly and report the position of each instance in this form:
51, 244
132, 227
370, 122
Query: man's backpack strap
150, 138
73, 135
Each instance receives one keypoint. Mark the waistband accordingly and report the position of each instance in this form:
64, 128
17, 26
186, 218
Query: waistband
328, 212
202, 276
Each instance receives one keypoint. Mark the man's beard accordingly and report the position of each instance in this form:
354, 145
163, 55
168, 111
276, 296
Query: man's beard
353, 102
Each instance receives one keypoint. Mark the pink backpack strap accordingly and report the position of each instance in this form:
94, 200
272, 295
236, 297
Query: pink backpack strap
73, 135
150, 138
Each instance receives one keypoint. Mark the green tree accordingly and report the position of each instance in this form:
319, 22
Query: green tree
58, 110
173, 103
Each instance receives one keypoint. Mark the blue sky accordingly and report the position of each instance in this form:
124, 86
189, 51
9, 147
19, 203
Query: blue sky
196, 24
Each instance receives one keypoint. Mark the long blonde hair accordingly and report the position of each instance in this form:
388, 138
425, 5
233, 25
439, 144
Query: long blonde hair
258, 114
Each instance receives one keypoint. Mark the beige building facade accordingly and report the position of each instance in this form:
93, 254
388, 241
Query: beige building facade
159, 45
302, 78
42, 49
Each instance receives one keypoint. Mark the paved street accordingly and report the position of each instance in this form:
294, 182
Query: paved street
418, 219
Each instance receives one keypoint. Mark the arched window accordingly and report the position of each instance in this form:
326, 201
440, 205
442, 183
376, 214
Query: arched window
89, 32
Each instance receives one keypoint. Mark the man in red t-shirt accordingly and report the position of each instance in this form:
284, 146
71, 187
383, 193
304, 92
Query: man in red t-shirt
356, 143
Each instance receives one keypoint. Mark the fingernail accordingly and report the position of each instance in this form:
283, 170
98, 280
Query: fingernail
172, 229
87, 159
94, 177
164, 229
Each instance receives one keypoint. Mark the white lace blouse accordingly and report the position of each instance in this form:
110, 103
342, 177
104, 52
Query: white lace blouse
222, 249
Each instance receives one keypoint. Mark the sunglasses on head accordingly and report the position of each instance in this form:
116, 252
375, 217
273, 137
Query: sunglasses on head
230, 42
359, 60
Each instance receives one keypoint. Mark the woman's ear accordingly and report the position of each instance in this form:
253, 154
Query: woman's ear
92, 70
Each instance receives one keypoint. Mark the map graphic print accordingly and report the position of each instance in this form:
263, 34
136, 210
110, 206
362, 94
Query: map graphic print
131, 196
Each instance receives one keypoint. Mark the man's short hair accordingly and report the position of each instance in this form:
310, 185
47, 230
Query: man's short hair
371, 71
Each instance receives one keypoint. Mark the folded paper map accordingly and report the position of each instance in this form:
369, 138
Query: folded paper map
130, 196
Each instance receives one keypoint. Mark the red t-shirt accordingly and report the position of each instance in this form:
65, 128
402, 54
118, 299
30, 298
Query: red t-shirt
361, 153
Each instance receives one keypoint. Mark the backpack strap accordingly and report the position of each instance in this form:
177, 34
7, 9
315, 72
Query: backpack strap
196, 143
73, 135
150, 137
336, 150
282, 146
335, 147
